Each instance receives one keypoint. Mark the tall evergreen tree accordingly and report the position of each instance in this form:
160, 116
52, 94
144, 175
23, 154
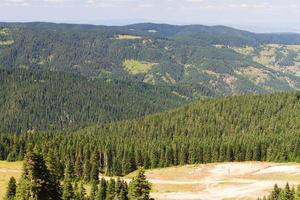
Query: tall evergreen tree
287, 193
11, 189
124, 191
297, 193
101, 194
94, 190
139, 187
53, 165
95, 167
81, 192
68, 192
36, 181
110, 191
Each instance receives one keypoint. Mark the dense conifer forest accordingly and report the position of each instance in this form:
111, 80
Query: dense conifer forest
286, 193
217, 60
252, 127
79, 101
41, 100
40, 180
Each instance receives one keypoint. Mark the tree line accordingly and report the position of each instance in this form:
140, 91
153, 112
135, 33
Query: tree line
286, 193
40, 180
244, 128
47, 101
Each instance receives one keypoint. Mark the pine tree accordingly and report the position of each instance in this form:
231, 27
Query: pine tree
287, 193
87, 170
75, 189
124, 191
68, 192
94, 190
81, 192
53, 166
139, 187
110, 192
11, 189
36, 181
275, 193
95, 167
297, 193
101, 194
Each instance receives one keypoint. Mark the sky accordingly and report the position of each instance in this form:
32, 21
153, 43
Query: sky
253, 15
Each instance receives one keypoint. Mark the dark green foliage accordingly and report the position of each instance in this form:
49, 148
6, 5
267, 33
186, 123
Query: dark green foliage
182, 54
11, 189
101, 194
54, 166
41, 100
283, 194
68, 191
81, 193
139, 187
36, 182
110, 191
94, 190
297, 193
257, 127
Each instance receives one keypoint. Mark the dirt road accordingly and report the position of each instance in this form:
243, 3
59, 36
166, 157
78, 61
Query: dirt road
246, 180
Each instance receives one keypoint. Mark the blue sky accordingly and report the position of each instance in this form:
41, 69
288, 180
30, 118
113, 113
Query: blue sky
254, 15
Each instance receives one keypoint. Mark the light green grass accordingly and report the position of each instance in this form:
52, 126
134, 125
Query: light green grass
128, 37
137, 67
244, 50
6, 42
7, 170
4, 31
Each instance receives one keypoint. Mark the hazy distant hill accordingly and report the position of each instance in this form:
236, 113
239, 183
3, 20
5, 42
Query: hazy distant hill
219, 60
243, 128
113, 73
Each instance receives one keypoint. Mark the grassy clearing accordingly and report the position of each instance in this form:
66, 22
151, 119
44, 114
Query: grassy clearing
168, 188
244, 50
246, 180
254, 74
128, 37
6, 42
138, 67
7, 170
4, 31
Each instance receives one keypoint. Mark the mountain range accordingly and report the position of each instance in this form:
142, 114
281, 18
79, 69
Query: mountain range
57, 76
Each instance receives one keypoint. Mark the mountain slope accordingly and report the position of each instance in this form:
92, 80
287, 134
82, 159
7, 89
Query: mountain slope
213, 34
240, 128
207, 59
39, 100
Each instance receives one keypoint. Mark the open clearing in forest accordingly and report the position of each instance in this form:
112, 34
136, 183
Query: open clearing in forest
246, 180
7, 170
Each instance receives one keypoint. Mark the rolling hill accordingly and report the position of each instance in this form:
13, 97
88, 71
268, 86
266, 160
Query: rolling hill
44, 100
240, 128
212, 61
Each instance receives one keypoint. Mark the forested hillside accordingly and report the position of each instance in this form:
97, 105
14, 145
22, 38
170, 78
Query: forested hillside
211, 60
251, 127
43, 100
